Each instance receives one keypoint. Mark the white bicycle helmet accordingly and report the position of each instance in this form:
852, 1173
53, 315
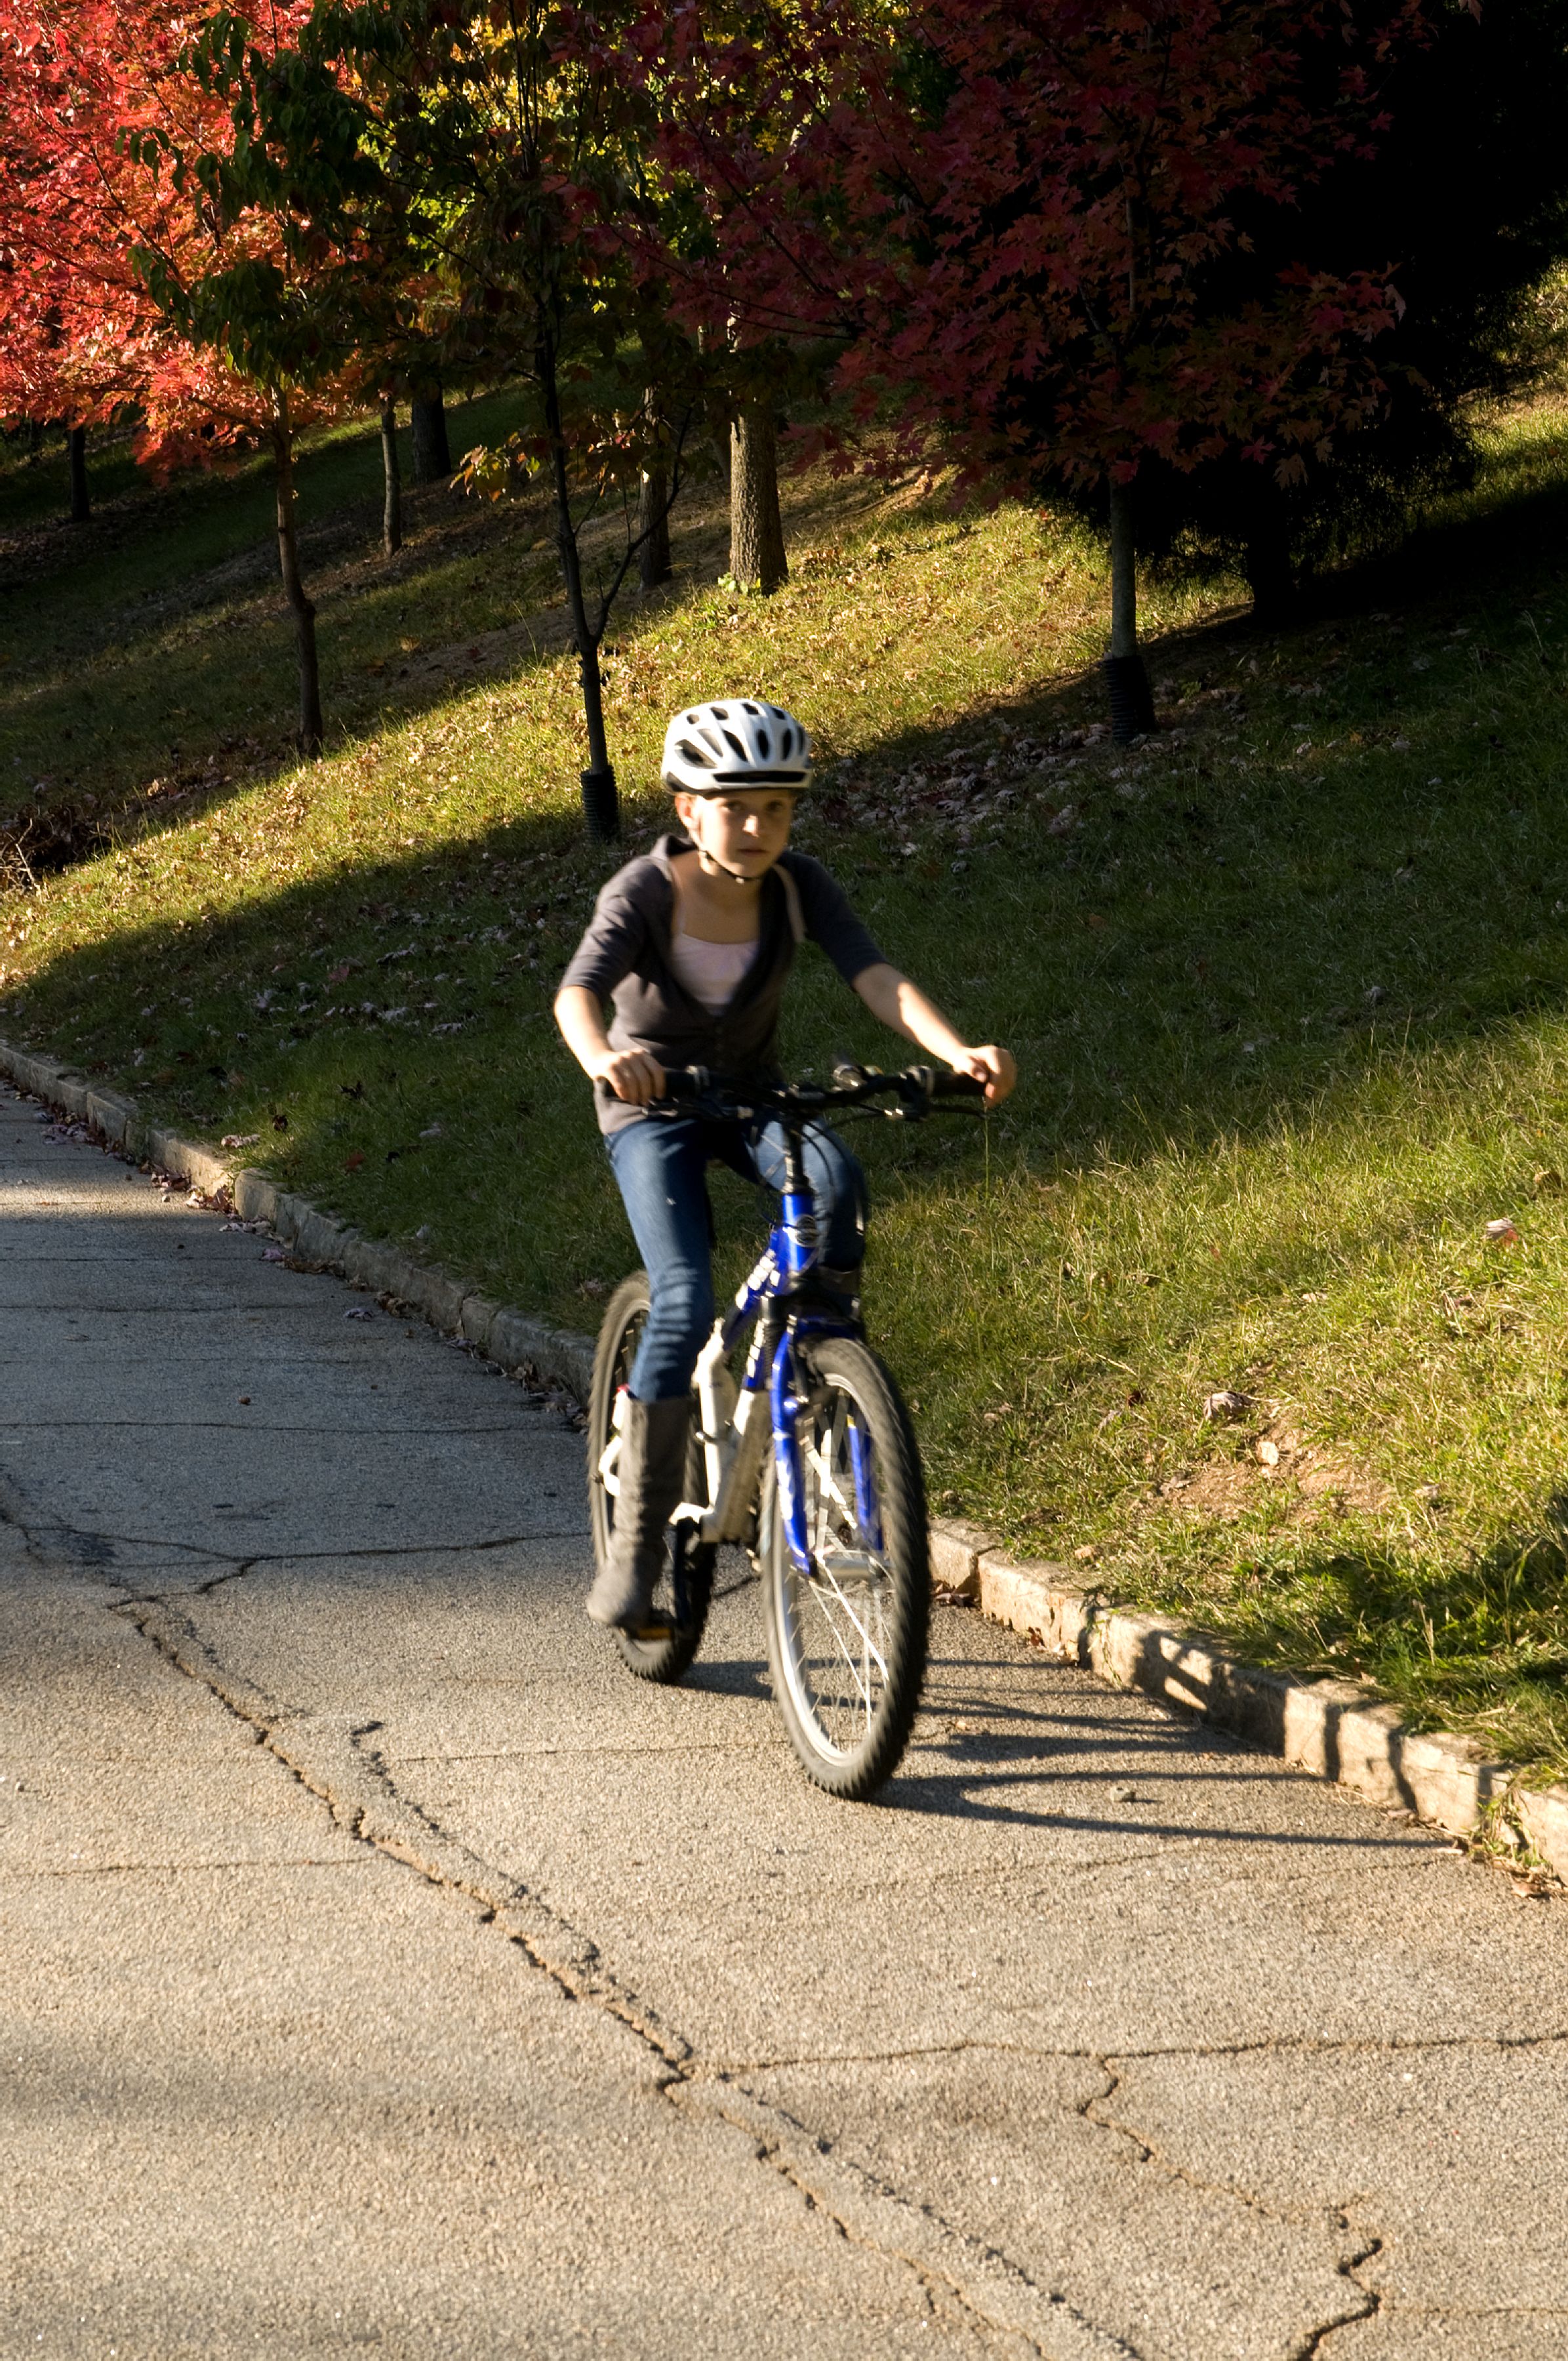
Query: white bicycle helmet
736, 742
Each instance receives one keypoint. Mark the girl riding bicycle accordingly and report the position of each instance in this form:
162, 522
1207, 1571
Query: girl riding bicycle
693, 944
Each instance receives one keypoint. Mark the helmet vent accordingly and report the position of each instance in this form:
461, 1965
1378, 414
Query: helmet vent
744, 743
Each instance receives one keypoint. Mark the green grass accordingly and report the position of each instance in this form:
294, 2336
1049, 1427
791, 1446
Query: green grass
1288, 989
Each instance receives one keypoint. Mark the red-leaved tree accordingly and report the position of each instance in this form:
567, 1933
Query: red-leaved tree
1027, 223
102, 235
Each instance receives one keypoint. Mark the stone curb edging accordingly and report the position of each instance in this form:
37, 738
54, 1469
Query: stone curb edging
1332, 1729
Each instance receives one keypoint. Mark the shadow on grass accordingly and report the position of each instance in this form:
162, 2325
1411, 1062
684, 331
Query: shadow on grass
1483, 1641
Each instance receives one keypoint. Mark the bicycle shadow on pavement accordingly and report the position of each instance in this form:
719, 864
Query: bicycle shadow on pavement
976, 1755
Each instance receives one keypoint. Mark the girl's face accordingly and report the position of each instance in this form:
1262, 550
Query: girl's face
744, 833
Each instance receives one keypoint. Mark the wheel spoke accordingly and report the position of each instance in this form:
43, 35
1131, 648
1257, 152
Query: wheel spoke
867, 1645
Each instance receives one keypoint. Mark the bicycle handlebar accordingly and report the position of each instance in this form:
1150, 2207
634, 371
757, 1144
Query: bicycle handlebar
914, 1088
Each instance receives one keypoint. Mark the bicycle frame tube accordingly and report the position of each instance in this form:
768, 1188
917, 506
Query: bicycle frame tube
735, 1438
785, 1406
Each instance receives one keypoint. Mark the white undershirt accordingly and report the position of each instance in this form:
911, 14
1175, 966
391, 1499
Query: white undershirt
711, 972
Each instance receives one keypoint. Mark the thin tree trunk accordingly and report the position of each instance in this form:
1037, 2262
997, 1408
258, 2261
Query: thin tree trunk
756, 529
392, 507
427, 421
653, 512
310, 731
601, 808
76, 453
1132, 704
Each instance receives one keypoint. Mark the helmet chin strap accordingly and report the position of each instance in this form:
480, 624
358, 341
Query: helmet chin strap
713, 867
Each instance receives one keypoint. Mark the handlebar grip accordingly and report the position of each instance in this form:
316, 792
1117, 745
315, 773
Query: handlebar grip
685, 1082
957, 1086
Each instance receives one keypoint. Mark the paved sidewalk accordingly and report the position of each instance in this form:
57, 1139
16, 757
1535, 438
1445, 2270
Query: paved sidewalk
387, 1972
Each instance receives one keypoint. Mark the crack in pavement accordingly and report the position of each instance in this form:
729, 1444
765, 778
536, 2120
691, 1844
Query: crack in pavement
997, 2294
39, 1538
1312, 2344
1302, 2046
175, 1868
231, 1426
1480, 2310
672, 1746
1335, 2217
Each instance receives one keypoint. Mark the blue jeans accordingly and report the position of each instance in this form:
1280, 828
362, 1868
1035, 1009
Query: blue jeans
659, 1167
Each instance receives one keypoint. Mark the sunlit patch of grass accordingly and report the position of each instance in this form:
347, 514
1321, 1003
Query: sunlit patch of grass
1287, 987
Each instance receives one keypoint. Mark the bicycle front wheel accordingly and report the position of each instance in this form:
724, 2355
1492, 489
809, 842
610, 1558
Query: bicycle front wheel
847, 1640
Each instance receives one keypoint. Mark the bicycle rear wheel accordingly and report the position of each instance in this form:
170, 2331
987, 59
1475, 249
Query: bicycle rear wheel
846, 1641
664, 1650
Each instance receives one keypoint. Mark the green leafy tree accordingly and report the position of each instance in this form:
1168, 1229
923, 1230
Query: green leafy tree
486, 154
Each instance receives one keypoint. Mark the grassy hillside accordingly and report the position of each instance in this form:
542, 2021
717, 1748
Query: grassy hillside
1286, 985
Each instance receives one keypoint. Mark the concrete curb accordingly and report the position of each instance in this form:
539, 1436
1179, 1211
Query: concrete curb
1332, 1729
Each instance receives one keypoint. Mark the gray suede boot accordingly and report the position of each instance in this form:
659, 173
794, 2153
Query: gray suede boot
651, 1470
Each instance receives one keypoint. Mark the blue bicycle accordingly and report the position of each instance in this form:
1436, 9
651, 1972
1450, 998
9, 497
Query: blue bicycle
803, 1456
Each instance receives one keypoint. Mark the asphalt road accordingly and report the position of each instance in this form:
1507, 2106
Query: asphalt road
385, 1971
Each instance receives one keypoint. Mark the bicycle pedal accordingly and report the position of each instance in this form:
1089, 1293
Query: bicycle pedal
649, 1632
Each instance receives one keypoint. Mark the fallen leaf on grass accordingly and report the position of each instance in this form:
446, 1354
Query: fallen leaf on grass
1225, 1405
340, 974
360, 1312
352, 1163
1548, 1182
1502, 1234
240, 1138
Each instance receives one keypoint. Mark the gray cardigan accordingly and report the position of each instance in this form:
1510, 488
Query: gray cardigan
625, 957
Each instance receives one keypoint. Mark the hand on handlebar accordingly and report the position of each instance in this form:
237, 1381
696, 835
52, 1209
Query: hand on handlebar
632, 1075
992, 1066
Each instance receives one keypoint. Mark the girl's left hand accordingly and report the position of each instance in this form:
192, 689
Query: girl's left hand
990, 1065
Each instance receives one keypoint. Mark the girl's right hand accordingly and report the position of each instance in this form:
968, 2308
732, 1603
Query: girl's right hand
632, 1075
